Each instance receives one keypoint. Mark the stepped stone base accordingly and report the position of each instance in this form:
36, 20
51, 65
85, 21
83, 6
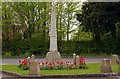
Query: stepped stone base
53, 57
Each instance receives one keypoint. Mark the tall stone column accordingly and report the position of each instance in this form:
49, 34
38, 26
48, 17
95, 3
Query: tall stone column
53, 55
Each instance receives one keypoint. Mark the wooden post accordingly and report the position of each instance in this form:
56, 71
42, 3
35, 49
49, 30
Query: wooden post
106, 66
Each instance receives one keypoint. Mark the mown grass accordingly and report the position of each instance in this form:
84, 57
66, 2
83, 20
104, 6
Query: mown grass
0, 67
93, 68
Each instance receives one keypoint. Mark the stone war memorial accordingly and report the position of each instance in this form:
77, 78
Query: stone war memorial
61, 39
53, 55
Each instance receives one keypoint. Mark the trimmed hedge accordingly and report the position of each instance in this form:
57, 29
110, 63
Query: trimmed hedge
26, 47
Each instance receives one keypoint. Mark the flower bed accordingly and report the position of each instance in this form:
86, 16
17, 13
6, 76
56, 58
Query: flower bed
61, 65
24, 64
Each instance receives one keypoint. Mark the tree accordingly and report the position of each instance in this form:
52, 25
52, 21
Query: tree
100, 19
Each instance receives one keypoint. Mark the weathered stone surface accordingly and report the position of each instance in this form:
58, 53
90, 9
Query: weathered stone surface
53, 57
77, 61
32, 58
74, 59
28, 61
34, 69
106, 66
114, 59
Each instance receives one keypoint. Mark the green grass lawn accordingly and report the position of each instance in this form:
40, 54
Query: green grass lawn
93, 68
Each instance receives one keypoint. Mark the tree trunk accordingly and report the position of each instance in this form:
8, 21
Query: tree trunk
60, 28
68, 28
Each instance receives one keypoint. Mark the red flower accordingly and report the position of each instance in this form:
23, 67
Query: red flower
84, 63
42, 63
81, 60
71, 64
38, 62
19, 61
46, 62
57, 62
25, 60
50, 63
60, 62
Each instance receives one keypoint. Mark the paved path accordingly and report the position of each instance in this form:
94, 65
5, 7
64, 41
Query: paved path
88, 60
6, 76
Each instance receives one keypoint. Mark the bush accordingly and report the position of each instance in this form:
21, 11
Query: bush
7, 54
37, 46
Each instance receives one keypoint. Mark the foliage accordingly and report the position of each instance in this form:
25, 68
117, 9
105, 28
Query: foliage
25, 28
100, 19
67, 48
